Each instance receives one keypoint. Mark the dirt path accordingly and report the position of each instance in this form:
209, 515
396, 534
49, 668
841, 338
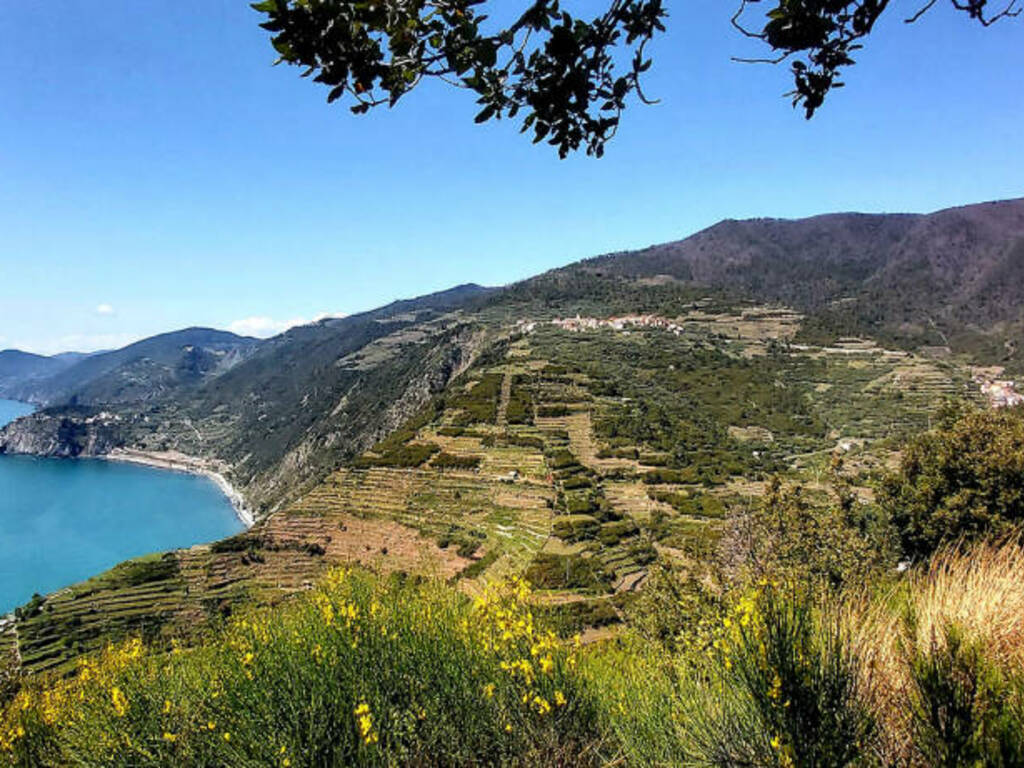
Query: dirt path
506, 396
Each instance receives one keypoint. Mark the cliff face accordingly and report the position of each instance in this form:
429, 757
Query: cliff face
63, 435
393, 383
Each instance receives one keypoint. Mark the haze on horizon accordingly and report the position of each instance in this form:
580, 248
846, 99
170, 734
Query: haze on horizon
157, 172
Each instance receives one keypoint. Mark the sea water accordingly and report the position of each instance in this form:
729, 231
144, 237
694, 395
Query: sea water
64, 520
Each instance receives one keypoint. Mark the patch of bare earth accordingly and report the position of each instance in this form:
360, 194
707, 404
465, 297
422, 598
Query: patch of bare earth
383, 545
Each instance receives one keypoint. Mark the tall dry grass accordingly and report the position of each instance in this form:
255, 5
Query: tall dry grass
976, 591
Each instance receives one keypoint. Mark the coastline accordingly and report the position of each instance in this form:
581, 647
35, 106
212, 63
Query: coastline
180, 462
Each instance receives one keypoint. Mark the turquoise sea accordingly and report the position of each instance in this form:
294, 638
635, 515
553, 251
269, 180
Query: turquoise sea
62, 520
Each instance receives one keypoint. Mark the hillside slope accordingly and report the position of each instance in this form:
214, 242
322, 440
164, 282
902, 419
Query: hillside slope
574, 453
146, 370
18, 368
950, 277
275, 415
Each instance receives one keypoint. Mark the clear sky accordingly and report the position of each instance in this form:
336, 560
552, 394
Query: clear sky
157, 172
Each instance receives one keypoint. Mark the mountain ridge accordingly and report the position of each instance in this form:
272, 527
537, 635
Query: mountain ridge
173, 358
914, 277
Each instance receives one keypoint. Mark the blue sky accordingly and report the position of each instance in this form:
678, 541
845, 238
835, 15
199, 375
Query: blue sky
156, 171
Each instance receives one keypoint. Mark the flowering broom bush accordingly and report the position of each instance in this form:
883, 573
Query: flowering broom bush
361, 672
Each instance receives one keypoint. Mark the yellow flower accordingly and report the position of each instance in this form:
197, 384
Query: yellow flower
559, 698
364, 720
118, 700
776, 688
227, 736
489, 690
168, 736
167, 706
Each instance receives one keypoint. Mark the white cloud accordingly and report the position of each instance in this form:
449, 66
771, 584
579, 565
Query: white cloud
263, 327
104, 309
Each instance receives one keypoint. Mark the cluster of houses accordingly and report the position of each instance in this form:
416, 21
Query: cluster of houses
618, 323
1000, 393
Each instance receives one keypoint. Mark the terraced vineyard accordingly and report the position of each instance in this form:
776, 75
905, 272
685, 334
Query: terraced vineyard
576, 457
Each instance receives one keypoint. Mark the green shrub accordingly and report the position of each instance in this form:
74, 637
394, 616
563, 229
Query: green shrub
964, 479
965, 711
467, 541
670, 476
612, 533
480, 403
580, 503
629, 452
30, 609
552, 411
575, 527
781, 689
697, 505
575, 482
144, 570
655, 459
445, 460
525, 441
520, 404
571, 618
561, 459
477, 567
241, 542
550, 571
400, 457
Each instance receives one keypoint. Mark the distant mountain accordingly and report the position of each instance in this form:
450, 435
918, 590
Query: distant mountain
803, 262
142, 371
280, 412
18, 367
931, 278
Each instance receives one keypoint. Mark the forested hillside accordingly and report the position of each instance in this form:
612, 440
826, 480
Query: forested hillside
950, 278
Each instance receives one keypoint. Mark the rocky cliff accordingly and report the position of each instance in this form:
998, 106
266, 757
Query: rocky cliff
63, 434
